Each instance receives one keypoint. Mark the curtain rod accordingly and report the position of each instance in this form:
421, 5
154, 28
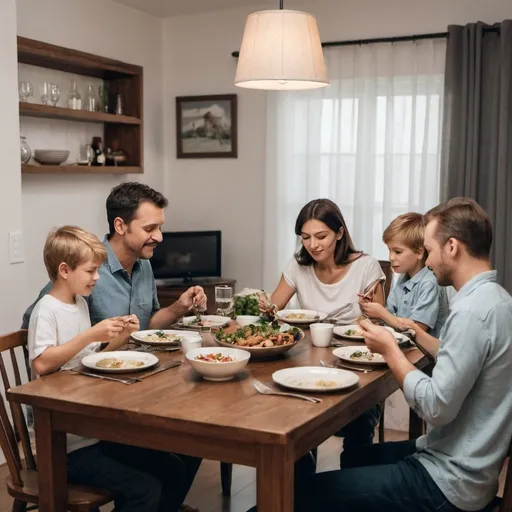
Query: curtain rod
396, 39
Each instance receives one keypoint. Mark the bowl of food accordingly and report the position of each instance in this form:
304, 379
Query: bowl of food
217, 363
51, 156
243, 320
264, 341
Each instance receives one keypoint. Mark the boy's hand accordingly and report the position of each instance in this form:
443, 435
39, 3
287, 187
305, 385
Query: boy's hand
372, 309
107, 329
406, 323
131, 324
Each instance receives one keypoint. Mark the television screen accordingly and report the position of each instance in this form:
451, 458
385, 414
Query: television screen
188, 254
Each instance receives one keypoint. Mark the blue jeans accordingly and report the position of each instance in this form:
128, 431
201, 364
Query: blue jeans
143, 480
388, 480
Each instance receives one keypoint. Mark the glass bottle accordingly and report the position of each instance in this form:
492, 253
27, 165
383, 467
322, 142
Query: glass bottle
90, 102
119, 105
74, 98
25, 151
98, 158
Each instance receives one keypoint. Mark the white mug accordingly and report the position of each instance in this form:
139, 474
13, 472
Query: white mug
321, 334
190, 343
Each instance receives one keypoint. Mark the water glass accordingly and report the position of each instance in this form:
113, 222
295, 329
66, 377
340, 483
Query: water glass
223, 299
25, 90
54, 94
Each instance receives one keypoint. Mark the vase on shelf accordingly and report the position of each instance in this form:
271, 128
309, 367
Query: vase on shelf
25, 151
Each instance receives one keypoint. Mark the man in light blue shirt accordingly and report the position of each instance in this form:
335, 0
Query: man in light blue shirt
467, 403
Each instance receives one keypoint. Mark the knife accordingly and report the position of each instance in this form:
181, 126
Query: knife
129, 380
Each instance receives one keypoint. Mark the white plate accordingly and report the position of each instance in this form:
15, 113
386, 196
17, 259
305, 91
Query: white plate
216, 320
190, 335
309, 378
149, 360
341, 330
310, 316
344, 354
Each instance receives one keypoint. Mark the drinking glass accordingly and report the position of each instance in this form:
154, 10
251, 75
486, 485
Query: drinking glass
45, 93
223, 299
54, 94
25, 90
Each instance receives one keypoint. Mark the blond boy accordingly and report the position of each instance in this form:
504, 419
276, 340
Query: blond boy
416, 296
59, 336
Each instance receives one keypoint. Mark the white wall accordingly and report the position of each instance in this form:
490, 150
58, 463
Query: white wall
228, 194
103, 28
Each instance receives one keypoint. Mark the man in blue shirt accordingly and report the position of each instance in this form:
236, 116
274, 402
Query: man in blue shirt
126, 286
467, 403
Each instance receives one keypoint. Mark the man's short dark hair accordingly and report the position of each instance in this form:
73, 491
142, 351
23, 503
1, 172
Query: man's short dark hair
124, 200
465, 220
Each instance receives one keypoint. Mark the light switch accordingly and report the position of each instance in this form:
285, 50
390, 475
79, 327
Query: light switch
16, 247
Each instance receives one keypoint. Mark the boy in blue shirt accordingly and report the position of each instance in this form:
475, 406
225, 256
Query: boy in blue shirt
416, 296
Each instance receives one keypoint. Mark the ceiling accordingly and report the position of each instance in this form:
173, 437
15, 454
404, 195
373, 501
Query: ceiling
162, 8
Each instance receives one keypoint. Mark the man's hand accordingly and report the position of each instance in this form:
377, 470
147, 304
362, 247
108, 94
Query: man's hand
378, 339
108, 329
194, 294
372, 309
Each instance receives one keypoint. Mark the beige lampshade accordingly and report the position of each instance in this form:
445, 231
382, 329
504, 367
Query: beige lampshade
281, 50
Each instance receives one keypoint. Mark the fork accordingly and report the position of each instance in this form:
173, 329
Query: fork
339, 365
265, 390
129, 380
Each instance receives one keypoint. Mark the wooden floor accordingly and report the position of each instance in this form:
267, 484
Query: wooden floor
206, 494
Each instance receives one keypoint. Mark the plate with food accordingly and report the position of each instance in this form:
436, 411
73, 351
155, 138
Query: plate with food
164, 338
209, 321
262, 341
359, 354
301, 316
120, 361
355, 333
315, 378
217, 363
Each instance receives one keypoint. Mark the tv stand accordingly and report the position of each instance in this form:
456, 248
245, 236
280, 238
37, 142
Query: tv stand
170, 290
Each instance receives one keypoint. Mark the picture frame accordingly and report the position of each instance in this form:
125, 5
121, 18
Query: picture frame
206, 126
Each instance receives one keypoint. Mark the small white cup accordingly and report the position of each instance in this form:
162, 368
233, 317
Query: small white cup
321, 334
189, 344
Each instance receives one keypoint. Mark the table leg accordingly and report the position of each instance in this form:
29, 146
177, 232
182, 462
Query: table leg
52, 463
275, 475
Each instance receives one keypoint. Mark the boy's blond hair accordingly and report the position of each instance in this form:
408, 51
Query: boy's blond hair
408, 229
71, 245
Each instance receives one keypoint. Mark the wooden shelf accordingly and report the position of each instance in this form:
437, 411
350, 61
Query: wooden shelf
50, 112
37, 53
75, 169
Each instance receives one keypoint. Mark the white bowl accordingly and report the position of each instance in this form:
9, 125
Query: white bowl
51, 156
218, 371
243, 320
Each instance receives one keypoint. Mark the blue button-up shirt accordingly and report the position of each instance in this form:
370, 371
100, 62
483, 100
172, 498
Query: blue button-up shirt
467, 402
117, 293
421, 299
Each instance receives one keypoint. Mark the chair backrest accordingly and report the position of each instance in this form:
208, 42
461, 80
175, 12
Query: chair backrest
12, 433
386, 268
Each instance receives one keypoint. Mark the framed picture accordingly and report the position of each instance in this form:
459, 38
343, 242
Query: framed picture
206, 126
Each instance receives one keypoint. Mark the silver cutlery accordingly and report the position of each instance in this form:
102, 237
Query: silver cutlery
265, 390
346, 366
129, 380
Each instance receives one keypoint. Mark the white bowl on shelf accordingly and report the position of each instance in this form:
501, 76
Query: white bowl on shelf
51, 156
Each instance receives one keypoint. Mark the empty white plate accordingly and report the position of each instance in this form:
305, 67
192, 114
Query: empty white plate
315, 378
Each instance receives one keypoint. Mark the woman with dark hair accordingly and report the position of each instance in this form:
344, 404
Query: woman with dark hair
327, 273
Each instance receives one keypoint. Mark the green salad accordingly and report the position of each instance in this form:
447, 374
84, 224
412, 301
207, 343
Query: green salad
246, 305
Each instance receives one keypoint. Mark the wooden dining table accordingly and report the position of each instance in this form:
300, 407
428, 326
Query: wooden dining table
177, 411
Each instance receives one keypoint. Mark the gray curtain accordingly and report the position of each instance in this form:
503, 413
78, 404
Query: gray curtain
476, 158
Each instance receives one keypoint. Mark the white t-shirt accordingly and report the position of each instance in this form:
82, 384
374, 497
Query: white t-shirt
53, 323
339, 300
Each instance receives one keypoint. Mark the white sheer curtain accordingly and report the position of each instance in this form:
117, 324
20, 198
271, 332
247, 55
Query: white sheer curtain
370, 142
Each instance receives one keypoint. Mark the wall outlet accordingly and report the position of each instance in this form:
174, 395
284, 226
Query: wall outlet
16, 247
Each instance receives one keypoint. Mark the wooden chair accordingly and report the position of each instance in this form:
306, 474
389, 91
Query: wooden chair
22, 484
